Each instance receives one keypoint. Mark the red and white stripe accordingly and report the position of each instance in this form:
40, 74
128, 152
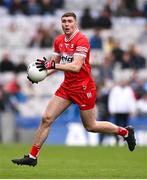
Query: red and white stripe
82, 49
72, 36
80, 54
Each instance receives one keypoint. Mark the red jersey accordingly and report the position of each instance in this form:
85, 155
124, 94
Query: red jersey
77, 44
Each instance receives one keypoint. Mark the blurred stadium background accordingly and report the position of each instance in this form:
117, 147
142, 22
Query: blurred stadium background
117, 30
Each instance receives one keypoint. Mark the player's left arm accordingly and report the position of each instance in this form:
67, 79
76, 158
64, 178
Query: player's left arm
74, 66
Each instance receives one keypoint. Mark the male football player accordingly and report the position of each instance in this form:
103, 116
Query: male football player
71, 55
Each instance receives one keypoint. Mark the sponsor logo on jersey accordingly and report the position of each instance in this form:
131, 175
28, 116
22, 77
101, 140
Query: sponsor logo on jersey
66, 59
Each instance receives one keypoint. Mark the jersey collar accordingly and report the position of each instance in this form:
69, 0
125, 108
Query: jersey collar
72, 36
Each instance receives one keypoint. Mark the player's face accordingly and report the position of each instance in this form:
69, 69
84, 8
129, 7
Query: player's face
69, 25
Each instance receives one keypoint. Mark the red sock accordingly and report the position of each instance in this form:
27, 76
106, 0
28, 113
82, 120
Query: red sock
35, 150
122, 131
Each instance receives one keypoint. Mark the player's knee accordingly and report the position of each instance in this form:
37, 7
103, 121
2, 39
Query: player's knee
47, 120
90, 128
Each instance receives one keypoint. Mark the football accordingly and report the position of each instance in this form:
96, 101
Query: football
34, 74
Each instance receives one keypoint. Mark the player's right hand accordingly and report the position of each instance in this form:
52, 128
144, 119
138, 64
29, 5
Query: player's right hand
31, 80
44, 64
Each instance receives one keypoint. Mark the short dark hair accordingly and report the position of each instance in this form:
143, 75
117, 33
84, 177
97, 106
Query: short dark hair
68, 14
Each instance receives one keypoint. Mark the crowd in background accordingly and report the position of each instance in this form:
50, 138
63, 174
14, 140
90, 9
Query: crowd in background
43, 7
114, 55
32, 7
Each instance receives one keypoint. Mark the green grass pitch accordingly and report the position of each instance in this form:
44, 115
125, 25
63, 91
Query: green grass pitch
62, 162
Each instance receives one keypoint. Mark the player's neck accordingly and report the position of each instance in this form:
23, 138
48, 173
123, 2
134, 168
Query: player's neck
69, 37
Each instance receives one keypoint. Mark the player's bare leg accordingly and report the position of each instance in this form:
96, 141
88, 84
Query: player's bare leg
55, 107
89, 121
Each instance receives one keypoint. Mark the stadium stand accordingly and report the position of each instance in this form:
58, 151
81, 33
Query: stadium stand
17, 30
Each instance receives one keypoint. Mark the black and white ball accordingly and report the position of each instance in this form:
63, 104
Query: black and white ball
34, 74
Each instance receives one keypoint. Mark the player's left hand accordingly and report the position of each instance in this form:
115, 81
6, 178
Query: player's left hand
44, 64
